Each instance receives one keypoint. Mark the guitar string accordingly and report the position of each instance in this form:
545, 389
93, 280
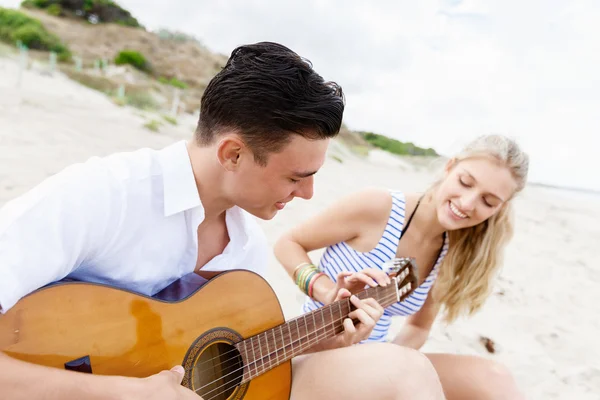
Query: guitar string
291, 344
320, 310
307, 345
386, 297
403, 272
250, 339
231, 386
301, 347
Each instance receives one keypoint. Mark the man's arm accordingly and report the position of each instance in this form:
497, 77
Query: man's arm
24, 381
50, 230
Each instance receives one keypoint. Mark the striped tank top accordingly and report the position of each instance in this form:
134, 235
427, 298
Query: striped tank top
341, 257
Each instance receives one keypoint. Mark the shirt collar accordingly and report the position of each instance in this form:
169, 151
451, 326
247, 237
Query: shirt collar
181, 192
179, 186
238, 226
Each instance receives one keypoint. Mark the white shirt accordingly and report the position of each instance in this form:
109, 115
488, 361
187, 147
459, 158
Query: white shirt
128, 219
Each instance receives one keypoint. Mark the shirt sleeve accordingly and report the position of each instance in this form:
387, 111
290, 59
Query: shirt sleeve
50, 230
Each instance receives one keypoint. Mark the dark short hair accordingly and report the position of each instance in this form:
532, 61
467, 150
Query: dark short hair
267, 93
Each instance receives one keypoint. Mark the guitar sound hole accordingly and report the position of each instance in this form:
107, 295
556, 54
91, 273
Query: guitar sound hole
218, 372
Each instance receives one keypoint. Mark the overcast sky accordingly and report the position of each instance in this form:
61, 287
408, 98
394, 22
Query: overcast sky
437, 73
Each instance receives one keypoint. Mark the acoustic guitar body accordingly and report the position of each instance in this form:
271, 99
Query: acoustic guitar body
93, 328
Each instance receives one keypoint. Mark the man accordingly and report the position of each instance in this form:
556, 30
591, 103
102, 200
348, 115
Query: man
141, 220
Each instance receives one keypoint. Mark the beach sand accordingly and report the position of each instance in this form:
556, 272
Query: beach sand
543, 314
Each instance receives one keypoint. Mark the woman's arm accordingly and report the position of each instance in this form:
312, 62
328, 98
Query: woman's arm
345, 221
416, 330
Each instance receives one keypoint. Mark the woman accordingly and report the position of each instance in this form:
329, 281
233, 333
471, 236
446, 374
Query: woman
457, 231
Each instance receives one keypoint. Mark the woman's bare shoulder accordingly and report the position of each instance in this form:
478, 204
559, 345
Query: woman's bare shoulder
373, 201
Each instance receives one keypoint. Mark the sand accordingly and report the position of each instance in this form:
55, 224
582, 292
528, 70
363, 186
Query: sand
543, 315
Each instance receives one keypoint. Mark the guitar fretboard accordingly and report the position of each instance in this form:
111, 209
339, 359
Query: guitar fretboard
275, 346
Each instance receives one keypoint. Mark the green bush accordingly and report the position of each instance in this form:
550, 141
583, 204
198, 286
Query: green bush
28, 4
133, 58
153, 125
88, 5
35, 3
396, 146
32, 36
173, 82
129, 21
14, 19
16, 26
55, 9
170, 119
142, 100
105, 10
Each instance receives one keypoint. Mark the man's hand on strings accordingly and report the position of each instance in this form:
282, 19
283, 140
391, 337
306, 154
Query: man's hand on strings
367, 313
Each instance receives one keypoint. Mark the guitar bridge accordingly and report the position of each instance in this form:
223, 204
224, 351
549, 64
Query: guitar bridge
82, 364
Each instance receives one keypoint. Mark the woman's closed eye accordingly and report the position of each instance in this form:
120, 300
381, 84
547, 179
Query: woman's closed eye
491, 201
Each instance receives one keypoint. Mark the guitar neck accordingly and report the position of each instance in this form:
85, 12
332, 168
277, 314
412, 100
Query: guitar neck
275, 346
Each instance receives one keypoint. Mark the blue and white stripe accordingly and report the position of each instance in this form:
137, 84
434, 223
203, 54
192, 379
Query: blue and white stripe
341, 257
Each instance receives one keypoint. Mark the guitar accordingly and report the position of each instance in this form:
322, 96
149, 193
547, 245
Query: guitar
229, 332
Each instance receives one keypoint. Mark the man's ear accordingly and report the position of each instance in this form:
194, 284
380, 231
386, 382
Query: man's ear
229, 151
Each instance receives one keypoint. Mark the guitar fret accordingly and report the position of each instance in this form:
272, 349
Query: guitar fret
291, 338
247, 365
332, 319
306, 336
262, 359
299, 335
282, 341
340, 311
332, 322
316, 331
309, 331
268, 351
254, 355
324, 326
275, 344
306, 333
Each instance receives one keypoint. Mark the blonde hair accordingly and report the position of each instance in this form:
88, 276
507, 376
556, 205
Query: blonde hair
475, 255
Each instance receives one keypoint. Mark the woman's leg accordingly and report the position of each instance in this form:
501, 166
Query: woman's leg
379, 371
469, 377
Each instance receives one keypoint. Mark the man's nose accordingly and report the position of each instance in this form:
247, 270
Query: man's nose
306, 189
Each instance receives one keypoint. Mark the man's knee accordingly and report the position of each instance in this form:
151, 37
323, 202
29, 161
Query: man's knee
411, 374
500, 382
382, 371
406, 360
